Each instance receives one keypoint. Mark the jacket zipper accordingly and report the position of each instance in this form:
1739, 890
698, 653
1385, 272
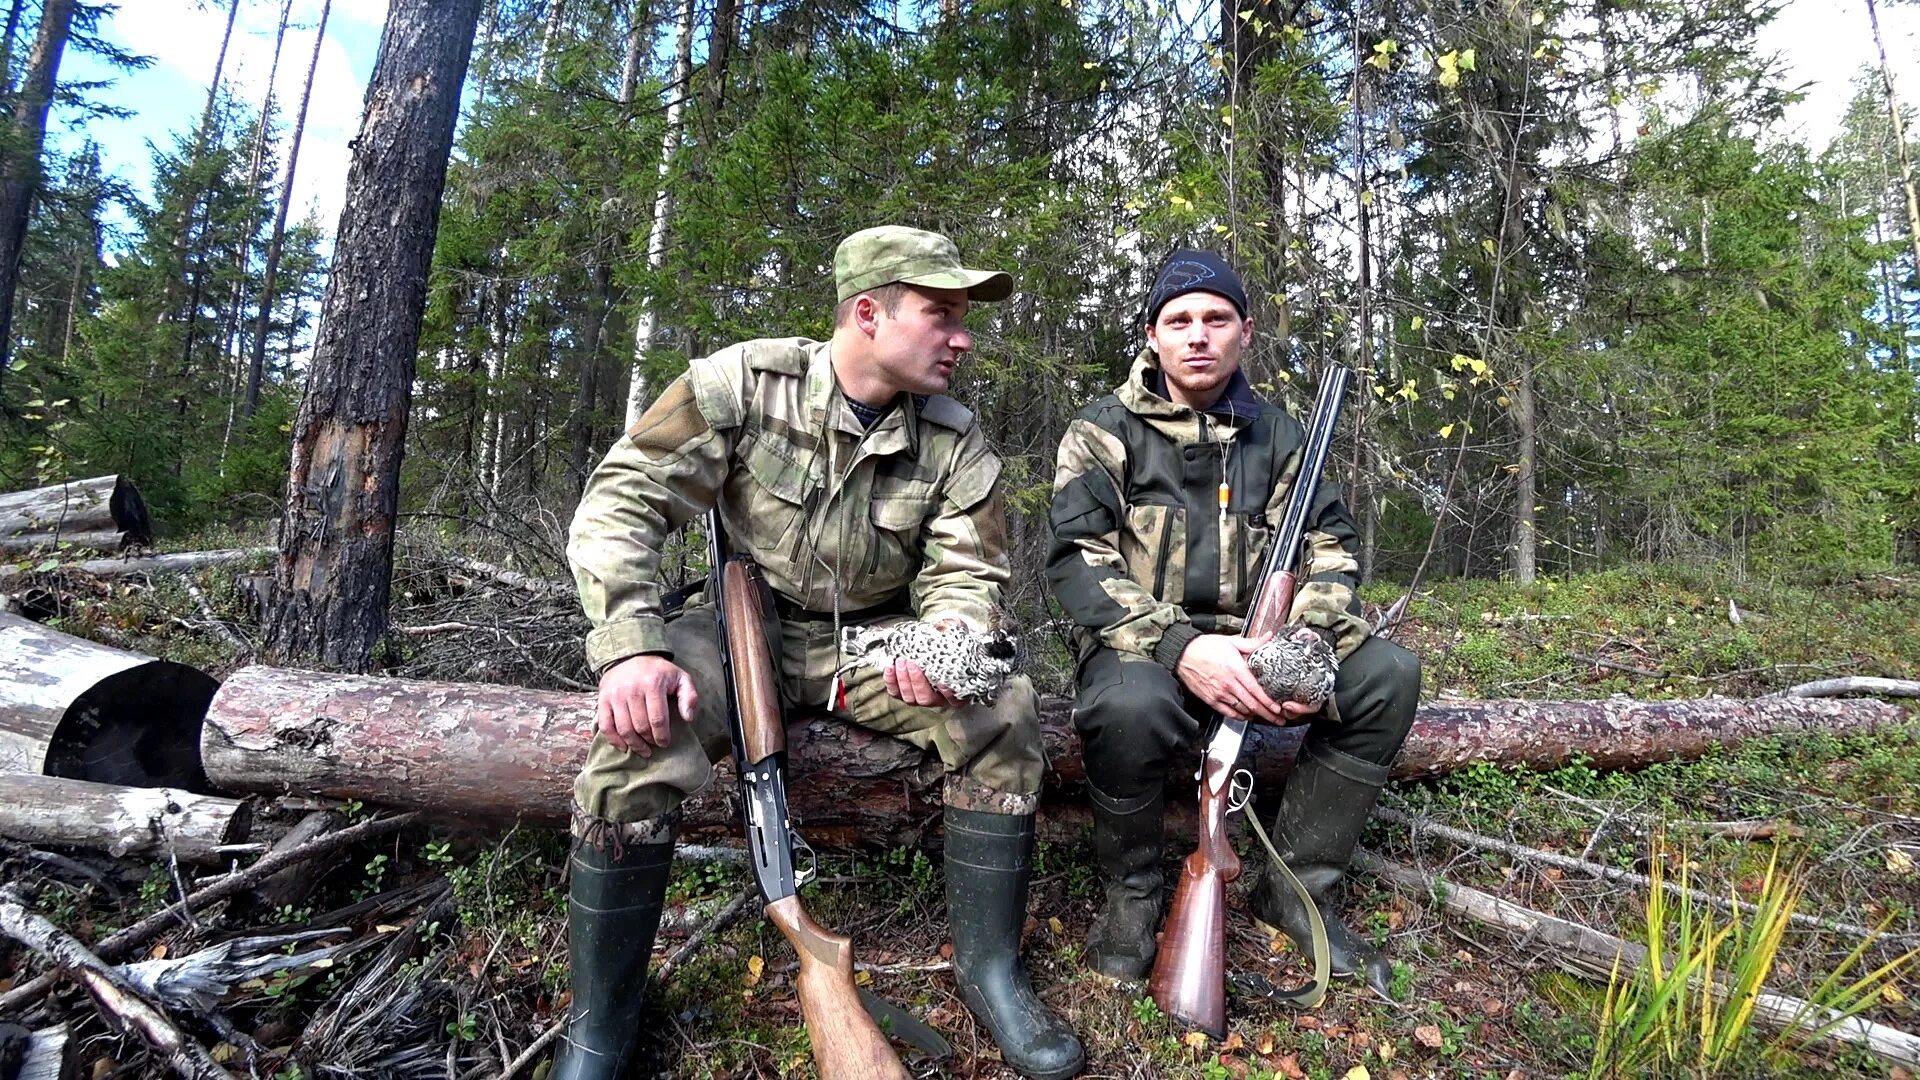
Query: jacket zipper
1166, 552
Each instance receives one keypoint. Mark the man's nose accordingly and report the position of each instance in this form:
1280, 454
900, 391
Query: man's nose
961, 341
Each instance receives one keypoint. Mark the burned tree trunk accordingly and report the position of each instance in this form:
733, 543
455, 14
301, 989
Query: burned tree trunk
336, 538
503, 753
122, 821
106, 511
83, 711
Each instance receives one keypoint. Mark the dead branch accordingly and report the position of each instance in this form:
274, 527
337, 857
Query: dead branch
720, 921
1594, 953
1867, 685
117, 1000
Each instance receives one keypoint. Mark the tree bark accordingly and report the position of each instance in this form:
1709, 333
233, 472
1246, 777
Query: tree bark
109, 504
121, 821
677, 91
336, 538
501, 752
20, 167
71, 708
257, 362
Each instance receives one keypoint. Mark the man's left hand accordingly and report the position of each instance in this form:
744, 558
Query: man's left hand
907, 682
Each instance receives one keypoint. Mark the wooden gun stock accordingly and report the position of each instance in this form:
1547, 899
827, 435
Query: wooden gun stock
763, 733
847, 1044
1189, 980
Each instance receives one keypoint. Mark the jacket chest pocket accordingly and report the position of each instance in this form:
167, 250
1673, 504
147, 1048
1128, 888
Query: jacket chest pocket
1243, 550
897, 514
776, 499
1154, 545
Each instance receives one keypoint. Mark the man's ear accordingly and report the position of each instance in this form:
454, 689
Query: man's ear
1246, 331
1153, 340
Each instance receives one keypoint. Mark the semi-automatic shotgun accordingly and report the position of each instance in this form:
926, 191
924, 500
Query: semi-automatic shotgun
1189, 979
847, 1043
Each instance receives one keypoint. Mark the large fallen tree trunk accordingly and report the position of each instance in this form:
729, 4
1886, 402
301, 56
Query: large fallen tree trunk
502, 752
176, 563
71, 708
104, 512
121, 821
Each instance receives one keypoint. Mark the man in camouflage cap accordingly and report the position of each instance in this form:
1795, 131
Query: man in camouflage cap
865, 496
1166, 495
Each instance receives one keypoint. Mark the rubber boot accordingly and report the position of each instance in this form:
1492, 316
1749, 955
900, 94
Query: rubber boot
613, 911
1322, 812
989, 859
1128, 842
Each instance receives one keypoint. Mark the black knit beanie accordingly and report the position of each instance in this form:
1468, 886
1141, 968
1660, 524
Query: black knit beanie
1188, 271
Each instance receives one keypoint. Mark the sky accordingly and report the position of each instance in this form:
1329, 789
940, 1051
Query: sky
1824, 43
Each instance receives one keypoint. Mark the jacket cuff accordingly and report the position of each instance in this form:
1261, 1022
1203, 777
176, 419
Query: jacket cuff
1173, 642
613, 642
978, 617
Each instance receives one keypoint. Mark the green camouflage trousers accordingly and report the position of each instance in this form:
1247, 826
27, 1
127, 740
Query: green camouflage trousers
992, 753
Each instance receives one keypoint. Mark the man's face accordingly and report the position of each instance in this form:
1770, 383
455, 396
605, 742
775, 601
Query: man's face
1199, 337
917, 347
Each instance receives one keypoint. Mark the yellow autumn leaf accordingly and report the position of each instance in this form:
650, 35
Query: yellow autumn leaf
1054, 924
755, 965
1358, 1072
1539, 17
1417, 323
863, 978
1892, 994
1467, 60
1447, 431
1196, 1041
1449, 65
1899, 862
1503, 401
1487, 245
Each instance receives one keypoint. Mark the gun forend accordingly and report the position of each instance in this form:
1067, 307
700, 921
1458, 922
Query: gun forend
756, 691
847, 1044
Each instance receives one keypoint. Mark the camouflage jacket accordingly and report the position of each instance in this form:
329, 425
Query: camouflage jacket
915, 504
1142, 560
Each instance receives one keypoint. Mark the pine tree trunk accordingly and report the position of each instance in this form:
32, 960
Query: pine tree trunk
336, 538
6, 45
1899, 139
20, 170
257, 364
637, 390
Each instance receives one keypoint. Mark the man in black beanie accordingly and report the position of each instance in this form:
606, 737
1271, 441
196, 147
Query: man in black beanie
1165, 498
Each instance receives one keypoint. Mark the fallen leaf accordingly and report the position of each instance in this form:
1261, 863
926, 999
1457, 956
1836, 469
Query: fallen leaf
755, 965
1311, 1023
103, 1067
1266, 1043
1494, 1006
863, 978
1396, 919
1358, 1072
1289, 1067
1234, 1042
1386, 1050
1361, 1040
223, 1052
386, 928
1054, 924
946, 950
1892, 994
1196, 1040
158, 952
1899, 862
1428, 1035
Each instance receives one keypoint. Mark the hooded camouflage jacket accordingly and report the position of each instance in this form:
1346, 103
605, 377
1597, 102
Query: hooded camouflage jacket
915, 504
1142, 559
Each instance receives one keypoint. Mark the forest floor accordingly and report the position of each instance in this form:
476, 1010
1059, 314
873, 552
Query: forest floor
488, 974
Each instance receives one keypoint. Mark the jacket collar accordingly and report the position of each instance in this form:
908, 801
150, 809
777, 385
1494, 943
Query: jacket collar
898, 430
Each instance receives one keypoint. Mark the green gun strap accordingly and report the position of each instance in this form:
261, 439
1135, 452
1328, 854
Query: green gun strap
1314, 992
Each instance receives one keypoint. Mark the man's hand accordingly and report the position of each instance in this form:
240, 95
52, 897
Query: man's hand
634, 697
907, 682
1214, 667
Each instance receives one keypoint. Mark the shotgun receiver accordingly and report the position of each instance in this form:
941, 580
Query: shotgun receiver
847, 1044
1189, 979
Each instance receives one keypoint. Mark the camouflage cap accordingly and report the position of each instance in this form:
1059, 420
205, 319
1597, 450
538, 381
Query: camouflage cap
871, 258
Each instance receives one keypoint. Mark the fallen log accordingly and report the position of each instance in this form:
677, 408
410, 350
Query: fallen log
1867, 685
121, 821
179, 562
104, 512
504, 753
72, 708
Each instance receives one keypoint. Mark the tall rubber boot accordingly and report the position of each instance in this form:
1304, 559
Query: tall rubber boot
989, 860
1322, 812
1128, 844
613, 911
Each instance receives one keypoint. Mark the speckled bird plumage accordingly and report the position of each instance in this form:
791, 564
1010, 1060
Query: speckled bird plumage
970, 664
1297, 666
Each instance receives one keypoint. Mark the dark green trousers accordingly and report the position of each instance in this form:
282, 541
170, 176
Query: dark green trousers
1135, 718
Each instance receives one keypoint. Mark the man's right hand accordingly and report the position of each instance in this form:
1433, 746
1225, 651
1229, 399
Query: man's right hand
1214, 668
634, 697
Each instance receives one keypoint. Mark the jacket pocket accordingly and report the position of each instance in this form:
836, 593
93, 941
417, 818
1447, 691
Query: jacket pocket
1154, 545
776, 500
897, 516
1246, 548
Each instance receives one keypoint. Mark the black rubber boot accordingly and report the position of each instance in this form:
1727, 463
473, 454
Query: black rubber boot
1322, 812
1128, 841
613, 911
989, 859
